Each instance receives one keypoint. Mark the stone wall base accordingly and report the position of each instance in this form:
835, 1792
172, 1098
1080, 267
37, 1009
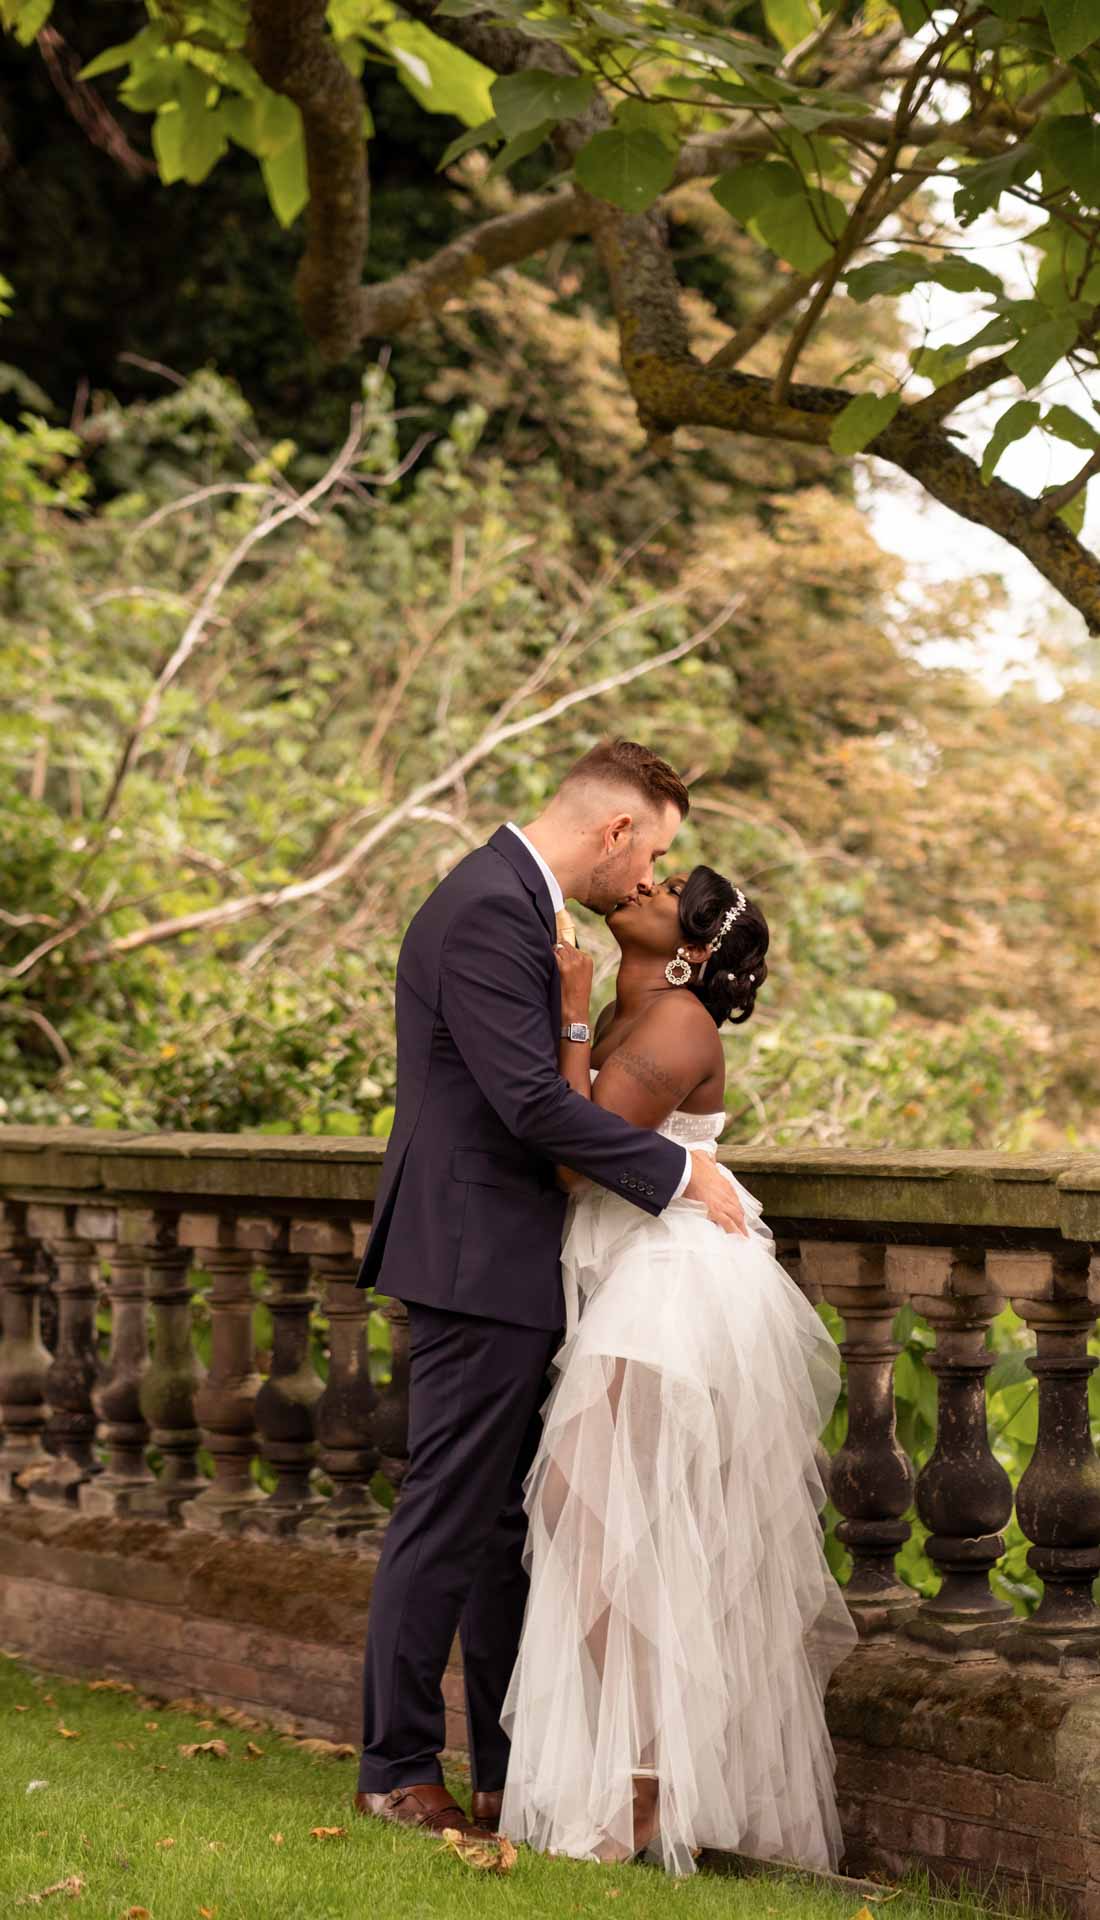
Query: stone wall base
269, 1626
977, 1771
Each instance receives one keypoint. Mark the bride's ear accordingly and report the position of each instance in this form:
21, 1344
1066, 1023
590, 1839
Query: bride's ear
697, 955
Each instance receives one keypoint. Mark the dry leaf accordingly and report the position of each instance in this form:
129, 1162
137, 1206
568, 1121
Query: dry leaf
43, 1834
215, 1846
208, 1723
492, 1856
277, 1839
152, 1725
113, 1686
864, 1913
217, 1748
326, 1749
166, 1843
22, 1709
252, 1751
66, 1732
327, 1833
138, 1913
612, 1893
49, 1700
72, 1886
158, 1766
208, 1912
127, 1744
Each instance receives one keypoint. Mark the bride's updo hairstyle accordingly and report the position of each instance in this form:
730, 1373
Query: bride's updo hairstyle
737, 969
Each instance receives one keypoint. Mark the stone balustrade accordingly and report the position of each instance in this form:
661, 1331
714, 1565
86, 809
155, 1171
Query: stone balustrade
130, 1270
105, 1230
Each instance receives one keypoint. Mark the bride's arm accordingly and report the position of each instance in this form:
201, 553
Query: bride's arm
669, 1052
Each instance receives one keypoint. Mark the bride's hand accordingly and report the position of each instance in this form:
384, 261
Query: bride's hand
575, 968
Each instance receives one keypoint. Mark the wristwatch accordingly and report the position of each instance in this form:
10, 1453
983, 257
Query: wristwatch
576, 1030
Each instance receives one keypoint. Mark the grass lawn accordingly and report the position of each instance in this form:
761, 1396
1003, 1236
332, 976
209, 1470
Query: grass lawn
152, 1832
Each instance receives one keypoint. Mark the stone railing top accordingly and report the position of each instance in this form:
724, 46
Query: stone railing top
1047, 1197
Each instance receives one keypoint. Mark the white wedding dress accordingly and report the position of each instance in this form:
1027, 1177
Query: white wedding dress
682, 1618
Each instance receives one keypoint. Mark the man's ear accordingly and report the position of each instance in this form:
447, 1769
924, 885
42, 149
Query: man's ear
617, 831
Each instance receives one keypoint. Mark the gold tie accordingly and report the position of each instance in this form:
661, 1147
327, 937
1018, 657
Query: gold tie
567, 932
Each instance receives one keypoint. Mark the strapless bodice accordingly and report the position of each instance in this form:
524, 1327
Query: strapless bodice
689, 1129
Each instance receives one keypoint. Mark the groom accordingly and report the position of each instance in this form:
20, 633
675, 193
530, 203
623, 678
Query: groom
467, 1232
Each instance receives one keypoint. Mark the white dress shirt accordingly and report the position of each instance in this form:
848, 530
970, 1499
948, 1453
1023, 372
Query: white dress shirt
557, 901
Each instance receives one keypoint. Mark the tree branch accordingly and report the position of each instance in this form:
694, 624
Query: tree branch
388, 307
1059, 497
229, 912
296, 56
87, 107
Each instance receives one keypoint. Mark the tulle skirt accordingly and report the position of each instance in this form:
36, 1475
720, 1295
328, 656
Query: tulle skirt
682, 1618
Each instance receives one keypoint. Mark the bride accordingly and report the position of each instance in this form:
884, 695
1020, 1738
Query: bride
682, 1621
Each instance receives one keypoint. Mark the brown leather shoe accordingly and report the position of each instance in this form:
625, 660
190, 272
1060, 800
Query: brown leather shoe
429, 1806
486, 1807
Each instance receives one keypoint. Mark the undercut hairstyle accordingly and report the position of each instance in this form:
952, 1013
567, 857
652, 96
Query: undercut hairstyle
737, 969
627, 764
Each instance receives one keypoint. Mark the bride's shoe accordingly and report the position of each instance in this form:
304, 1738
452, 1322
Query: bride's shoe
646, 1810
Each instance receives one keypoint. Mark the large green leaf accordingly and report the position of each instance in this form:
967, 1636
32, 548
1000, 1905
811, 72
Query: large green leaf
1072, 141
790, 20
800, 223
441, 78
1012, 425
861, 420
524, 100
902, 271
285, 179
1064, 424
980, 187
626, 166
1041, 348
1074, 25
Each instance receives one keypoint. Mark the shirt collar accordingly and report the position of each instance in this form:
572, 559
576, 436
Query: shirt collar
557, 898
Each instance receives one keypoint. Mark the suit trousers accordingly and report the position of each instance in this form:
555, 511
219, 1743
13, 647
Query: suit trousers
452, 1555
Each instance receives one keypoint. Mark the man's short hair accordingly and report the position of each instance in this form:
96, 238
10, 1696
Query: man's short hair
627, 764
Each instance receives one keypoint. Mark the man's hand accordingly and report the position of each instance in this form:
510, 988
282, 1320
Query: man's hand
576, 981
709, 1184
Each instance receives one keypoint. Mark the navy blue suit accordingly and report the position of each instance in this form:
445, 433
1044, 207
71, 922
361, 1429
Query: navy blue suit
467, 1232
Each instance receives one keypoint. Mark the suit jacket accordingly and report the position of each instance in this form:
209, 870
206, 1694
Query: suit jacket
468, 1215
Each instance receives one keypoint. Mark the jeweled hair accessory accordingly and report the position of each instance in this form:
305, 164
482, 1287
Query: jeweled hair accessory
735, 912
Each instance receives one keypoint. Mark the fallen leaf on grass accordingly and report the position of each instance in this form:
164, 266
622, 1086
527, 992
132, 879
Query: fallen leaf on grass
138, 1913
217, 1748
327, 1833
32, 1784
277, 1839
43, 1834
237, 1717
215, 1846
166, 1843
863, 1913
49, 1700
22, 1709
66, 1732
252, 1751
494, 1856
158, 1766
208, 1912
73, 1885
127, 1744
151, 1726
324, 1749
109, 1686
612, 1893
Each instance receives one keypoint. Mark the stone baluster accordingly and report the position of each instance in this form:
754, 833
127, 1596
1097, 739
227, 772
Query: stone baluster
964, 1495
871, 1481
24, 1359
173, 1375
348, 1456
225, 1401
117, 1397
1058, 1498
390, 1426
71, 1427
286, 1405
